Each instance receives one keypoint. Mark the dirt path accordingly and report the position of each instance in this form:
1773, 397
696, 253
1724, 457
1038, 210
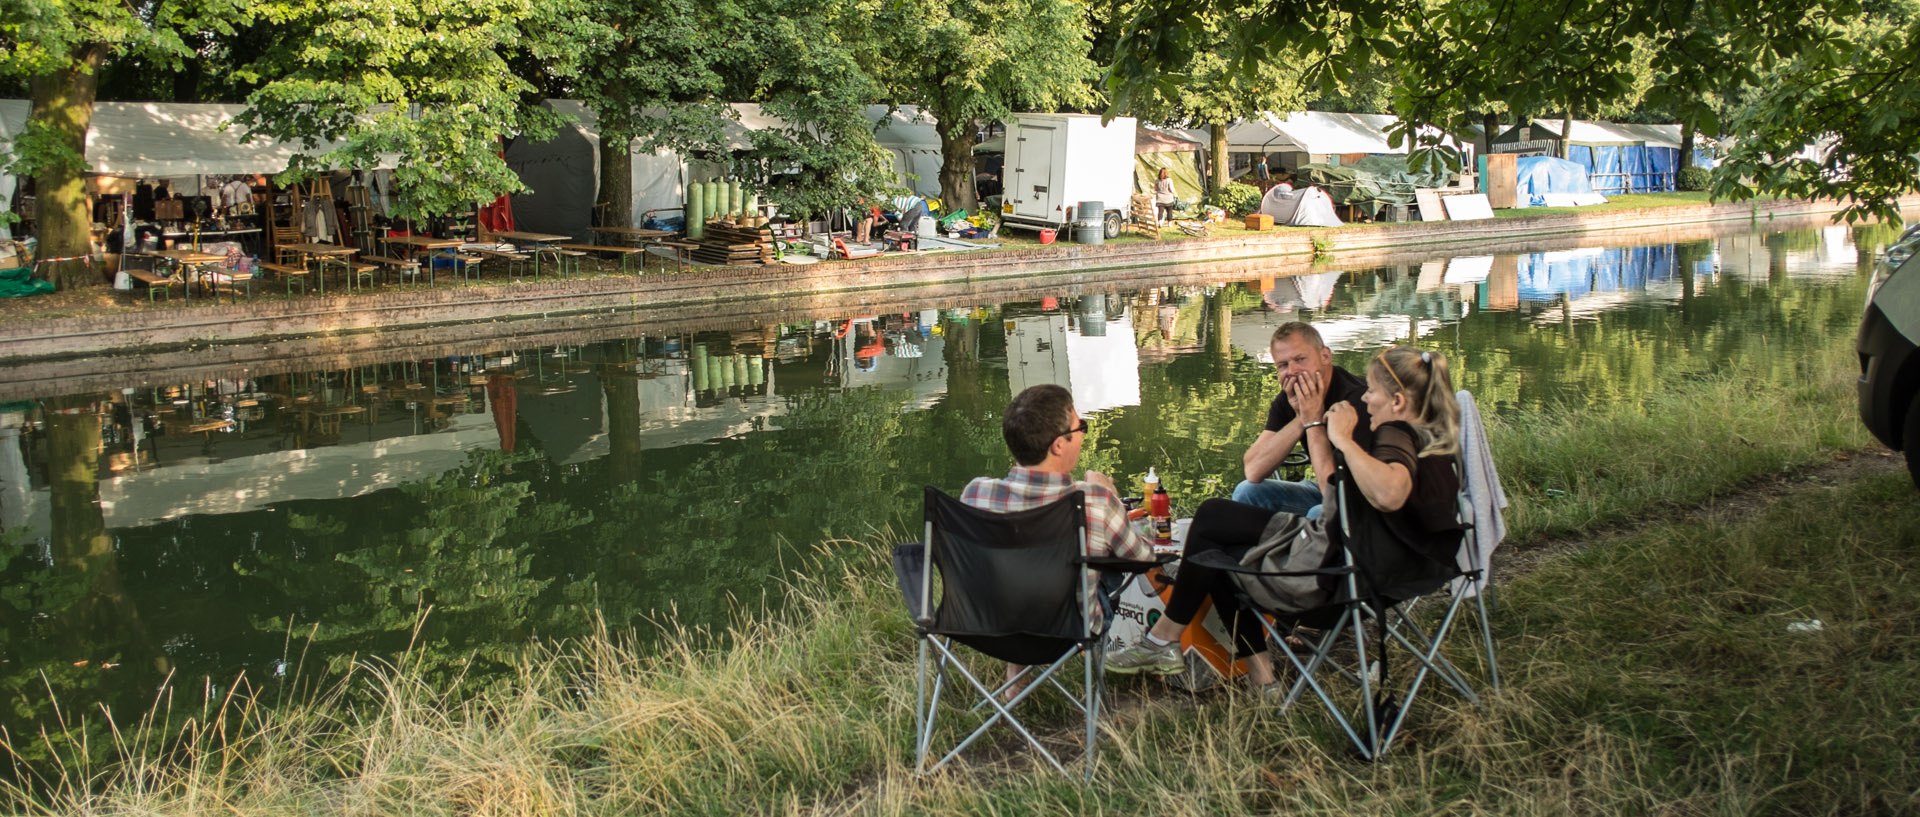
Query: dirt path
1741, 502
1008, 754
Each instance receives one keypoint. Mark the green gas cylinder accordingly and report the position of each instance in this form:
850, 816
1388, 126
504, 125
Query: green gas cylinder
696, 205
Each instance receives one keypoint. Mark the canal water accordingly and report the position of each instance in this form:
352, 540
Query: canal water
171, 536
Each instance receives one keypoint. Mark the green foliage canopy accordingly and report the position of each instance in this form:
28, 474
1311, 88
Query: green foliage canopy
429, 82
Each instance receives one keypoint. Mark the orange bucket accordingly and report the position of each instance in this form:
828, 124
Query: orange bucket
1046, 236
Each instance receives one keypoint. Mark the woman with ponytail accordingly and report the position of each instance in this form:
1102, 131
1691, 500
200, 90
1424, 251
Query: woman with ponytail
1399, 499
1408, 475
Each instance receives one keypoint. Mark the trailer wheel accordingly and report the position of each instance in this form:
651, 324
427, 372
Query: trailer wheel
1111, 225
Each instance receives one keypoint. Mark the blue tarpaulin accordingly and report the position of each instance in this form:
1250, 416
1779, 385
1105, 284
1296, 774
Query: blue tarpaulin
1539, 175
1616, 169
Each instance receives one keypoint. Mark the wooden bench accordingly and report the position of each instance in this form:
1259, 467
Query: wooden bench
153, 282
515, 261
623, 252
682, 253
400, 267
291, 273
560, 258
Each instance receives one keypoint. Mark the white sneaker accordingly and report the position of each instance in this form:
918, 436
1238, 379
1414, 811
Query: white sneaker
1146, 656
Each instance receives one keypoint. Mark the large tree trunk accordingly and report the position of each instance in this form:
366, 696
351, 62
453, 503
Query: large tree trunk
1489, 122
616, 181
1566, 131
1217, 159
956, 166
625, 447
63, 104
1686, 144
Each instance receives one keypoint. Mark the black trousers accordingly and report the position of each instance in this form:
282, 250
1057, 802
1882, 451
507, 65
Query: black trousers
1232, 527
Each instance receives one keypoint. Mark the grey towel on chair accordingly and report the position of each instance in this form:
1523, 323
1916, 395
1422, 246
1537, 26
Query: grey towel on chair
1485, 497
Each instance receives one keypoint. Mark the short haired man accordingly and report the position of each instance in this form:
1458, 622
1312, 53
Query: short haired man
1044, 434
1309, 382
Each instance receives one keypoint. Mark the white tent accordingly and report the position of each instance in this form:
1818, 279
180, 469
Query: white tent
1302, 137
169, 139
1305, 207
908, 134
659, 178
13, 120
564, 174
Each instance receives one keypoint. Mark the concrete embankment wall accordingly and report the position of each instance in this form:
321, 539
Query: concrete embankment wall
229, 335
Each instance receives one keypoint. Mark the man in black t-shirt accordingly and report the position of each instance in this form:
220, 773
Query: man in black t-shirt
1309, 382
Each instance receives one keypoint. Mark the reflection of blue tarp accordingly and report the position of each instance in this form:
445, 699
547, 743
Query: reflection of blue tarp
1536, 175
1546, 276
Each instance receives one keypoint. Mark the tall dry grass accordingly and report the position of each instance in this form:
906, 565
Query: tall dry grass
1653, 674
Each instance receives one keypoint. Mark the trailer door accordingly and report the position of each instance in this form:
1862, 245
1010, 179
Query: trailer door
1033, 192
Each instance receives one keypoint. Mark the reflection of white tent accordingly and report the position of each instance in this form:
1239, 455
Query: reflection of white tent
1312, 290
923, 377
1102, 372
329, 472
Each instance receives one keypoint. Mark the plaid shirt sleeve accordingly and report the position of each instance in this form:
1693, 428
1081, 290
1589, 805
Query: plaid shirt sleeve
1109, 532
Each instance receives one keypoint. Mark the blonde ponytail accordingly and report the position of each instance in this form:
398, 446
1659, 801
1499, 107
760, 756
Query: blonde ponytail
1423, 378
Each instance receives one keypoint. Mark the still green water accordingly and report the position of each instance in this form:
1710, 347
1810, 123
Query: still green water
163, 542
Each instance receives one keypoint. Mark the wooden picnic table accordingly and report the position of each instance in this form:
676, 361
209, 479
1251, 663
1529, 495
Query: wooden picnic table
536, 238
320, 253
642, 233
426, 243
187, 261
539, 238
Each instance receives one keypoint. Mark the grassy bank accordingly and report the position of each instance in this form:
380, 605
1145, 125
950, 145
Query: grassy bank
1652, 673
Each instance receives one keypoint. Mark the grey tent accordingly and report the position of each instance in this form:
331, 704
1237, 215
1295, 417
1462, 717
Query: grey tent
1306, 207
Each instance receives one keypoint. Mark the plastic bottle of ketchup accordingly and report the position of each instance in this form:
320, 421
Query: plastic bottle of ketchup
1159, 508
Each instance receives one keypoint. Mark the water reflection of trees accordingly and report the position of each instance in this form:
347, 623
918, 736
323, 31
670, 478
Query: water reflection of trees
512, 545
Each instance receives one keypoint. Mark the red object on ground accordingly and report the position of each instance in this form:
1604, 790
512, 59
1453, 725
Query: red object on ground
1046, 236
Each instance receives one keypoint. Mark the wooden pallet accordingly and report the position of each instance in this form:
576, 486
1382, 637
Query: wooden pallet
730, 244
1145, 218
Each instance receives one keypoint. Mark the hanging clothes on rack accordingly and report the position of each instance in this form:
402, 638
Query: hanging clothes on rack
319, 221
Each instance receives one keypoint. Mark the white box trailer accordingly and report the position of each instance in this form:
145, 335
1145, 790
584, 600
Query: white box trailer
1054, 161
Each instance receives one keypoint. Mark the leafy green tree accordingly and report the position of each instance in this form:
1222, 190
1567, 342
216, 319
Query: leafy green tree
428, 82
969, 61
660, 76
1579, 55
60, 47
1853, 98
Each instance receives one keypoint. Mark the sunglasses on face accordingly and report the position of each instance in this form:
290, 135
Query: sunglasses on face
1079, 429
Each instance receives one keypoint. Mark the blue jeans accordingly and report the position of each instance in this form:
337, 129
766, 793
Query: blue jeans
1298, 498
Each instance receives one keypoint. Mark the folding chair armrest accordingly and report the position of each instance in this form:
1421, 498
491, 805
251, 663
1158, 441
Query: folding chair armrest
1219, 560
1118, 565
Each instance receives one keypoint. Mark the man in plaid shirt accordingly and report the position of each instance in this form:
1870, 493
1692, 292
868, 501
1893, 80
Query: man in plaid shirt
1044, 434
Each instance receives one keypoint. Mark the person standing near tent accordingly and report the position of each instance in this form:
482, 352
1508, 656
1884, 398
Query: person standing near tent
1260, 169
1163, 194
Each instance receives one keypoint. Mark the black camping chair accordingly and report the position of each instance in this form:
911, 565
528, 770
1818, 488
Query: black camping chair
1010, 586
1363, 594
